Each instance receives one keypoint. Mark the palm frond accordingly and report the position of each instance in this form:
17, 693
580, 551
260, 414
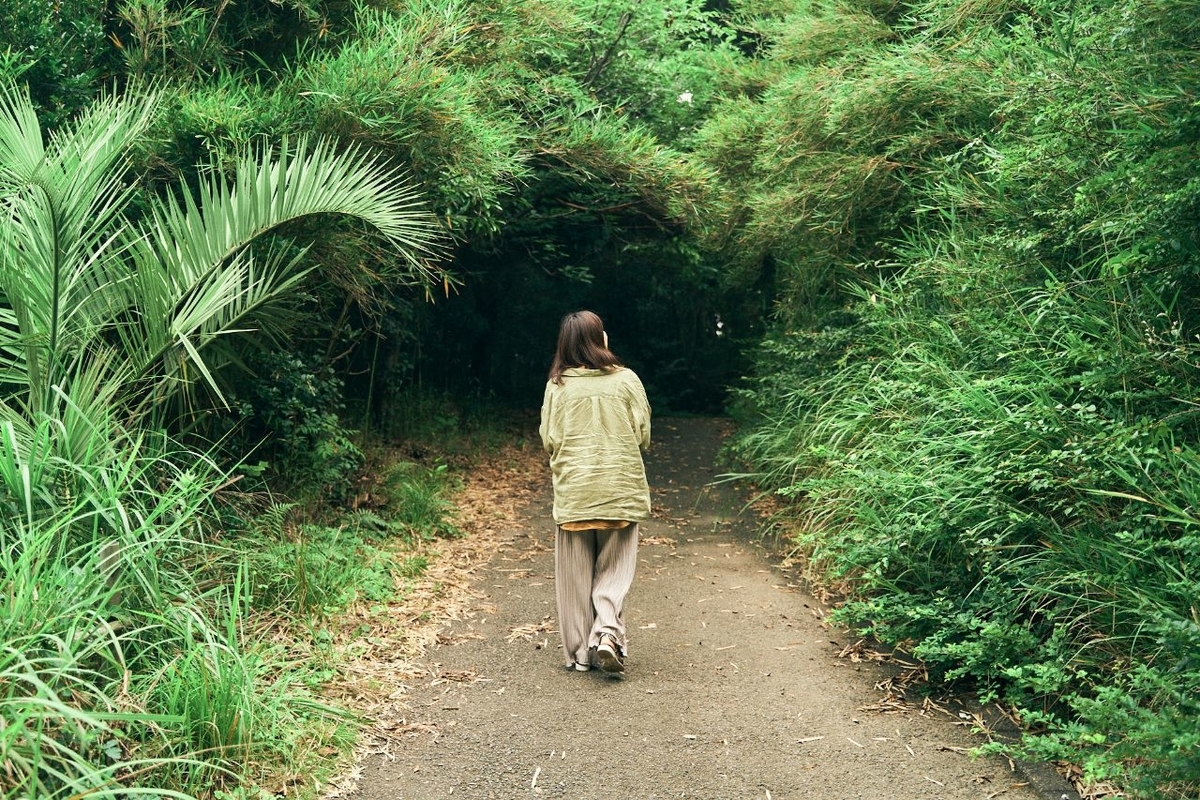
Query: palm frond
21, 149
195, 235
60, 257
197, 281
75, 273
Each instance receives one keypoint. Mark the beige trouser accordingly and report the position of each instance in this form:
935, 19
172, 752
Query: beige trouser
593, 571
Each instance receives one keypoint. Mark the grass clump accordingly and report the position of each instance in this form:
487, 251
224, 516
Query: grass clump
314, 568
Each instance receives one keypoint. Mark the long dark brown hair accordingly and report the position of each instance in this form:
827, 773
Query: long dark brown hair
581, 344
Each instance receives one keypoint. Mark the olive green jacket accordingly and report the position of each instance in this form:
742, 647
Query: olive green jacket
595, 426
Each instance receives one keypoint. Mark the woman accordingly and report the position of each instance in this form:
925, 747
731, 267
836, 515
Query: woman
595, 424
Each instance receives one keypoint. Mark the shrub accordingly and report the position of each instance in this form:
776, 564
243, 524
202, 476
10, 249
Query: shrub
995, 458
294, 410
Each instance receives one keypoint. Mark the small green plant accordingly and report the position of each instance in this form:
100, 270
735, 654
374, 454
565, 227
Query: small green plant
413, 566
315, 569
214, 690
417, 500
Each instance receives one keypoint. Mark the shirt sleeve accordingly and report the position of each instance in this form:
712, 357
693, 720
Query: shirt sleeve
640, 408
549, 439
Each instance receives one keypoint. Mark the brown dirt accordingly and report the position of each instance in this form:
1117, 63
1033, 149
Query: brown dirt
736, 686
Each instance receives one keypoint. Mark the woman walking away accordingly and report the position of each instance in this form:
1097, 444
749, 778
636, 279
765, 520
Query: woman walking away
595, 424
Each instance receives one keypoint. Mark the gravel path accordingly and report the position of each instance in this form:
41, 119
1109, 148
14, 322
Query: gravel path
735, 688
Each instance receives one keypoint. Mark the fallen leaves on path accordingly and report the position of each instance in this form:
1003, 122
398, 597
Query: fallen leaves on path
890, 705
456, 676
530, 630
379, 645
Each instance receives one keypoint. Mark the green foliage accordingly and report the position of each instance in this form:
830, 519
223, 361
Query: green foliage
403, 84
141, 313
553, 186
658, 62
416, 499
977, 484
61, 50
423, 82
315, 570
988, 426
551, 190
974, 221
211, 690
83, 613
414, 415
294, 410
159, 40
123, 662
823, 159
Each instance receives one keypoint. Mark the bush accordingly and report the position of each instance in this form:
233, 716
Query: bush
60, 49
294, 409
995, 457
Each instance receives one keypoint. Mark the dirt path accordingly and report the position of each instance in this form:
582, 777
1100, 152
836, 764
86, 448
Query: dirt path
735, 686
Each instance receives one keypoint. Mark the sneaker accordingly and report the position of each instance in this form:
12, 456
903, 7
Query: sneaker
580, 667
608, 655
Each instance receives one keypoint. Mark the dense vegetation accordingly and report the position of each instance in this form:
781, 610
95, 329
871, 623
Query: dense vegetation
991, 436
950, 244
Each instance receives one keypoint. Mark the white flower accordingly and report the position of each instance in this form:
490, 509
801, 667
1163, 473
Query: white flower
686, 97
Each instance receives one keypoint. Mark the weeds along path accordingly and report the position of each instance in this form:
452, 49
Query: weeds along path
736, 688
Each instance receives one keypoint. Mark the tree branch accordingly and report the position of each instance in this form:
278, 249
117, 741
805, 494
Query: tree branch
599, 65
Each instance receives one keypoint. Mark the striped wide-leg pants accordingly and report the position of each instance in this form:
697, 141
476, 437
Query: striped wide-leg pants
593, 571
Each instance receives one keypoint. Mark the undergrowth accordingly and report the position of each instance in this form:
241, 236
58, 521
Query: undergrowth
990, 439
136, 658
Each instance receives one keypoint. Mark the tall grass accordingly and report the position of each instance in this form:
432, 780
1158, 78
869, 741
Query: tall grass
75, 624
1010, 497
125, 669
990, 428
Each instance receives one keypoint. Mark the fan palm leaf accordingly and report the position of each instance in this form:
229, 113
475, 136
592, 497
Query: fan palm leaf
194, 261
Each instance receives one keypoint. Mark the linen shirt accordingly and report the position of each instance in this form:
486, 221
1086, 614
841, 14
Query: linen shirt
595, 426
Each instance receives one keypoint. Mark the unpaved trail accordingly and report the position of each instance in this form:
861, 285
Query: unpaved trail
734, 690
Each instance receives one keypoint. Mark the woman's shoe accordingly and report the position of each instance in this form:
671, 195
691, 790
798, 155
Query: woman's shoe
608, 654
